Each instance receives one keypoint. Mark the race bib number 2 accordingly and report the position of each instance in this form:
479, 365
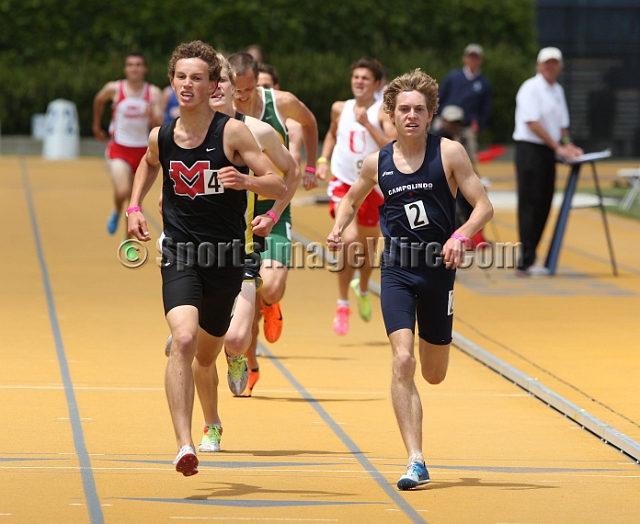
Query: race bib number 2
416, 214
212, 186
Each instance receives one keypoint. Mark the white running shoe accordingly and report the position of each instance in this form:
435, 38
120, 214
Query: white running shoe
186, 462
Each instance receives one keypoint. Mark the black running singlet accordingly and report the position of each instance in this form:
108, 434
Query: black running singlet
195, 206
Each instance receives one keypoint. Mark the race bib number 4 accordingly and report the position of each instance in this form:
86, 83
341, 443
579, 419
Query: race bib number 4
416, 214
212, 186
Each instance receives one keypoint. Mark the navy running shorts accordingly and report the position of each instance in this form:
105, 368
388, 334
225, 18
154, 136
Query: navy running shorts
424, 293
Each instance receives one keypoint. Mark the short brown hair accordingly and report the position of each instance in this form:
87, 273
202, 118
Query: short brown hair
371, 64
415, 80
269, 70
242, 63
136, 55
196, 49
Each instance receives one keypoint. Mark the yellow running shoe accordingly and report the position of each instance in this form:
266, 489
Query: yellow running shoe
364, 302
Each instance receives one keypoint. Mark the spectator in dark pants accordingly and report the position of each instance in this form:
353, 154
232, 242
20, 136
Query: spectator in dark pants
450, 124
469, 89
541, 133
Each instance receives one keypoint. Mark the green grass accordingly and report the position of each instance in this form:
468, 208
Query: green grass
617, 193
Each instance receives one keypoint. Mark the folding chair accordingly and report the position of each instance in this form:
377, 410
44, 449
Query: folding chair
633, 176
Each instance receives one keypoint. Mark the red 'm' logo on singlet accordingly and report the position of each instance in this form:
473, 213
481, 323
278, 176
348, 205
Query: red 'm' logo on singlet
188, 181
358, 139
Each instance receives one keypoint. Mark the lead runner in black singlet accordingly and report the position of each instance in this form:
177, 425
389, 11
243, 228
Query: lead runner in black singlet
204, 200
419, 176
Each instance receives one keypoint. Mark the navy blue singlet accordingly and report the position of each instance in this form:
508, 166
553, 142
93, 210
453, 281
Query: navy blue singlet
418, 207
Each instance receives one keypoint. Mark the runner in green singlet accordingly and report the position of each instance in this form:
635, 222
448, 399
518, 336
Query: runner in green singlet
274, 108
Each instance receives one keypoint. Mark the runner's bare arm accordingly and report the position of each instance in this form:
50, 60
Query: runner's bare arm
242, 149
350, 203
461, 176
106, 94
145, 176
285, 162
295, 139
291, 107
330, 139
387, 125
262, 224
156, 115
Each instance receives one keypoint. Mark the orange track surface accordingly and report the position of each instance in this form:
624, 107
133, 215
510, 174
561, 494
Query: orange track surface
86, 435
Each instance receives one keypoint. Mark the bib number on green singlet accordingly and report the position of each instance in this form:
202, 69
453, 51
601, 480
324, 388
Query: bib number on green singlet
416, 214
212, 186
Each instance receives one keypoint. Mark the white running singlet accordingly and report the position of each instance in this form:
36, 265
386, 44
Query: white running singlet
130, 123
353, 143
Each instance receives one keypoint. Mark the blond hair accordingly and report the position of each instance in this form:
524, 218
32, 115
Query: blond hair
415, 80
227, 67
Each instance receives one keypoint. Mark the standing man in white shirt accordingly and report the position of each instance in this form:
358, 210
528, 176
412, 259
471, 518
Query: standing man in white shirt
541, 133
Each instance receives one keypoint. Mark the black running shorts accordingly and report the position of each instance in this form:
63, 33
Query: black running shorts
212, 290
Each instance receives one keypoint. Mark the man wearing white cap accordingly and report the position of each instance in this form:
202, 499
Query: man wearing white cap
541, 133
469, 89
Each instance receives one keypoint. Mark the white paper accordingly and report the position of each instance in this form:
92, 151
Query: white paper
590, 157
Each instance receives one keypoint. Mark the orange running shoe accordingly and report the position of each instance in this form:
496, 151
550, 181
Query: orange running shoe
272, 321
253, 378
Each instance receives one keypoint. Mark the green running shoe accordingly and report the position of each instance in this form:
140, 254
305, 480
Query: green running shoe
238, 374
211, 439
364, 302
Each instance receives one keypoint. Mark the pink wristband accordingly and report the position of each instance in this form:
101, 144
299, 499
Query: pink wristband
273, 216
462, 239
132, 209
310, 169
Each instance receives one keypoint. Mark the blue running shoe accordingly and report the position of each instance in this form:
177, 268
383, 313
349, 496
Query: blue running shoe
112, 222
416, 474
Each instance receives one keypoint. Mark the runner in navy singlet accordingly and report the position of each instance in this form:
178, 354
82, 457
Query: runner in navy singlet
202, 155
419, 176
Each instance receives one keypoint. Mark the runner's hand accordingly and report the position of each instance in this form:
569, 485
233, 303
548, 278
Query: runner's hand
262, 225
322, 169
231, 178
334, 240
137, 226
309, 180
453, 253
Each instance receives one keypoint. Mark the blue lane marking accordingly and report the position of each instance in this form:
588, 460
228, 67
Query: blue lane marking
347, 441
88, 482
252, 503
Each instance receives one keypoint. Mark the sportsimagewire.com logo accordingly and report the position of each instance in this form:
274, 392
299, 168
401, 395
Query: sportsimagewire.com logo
134, 254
